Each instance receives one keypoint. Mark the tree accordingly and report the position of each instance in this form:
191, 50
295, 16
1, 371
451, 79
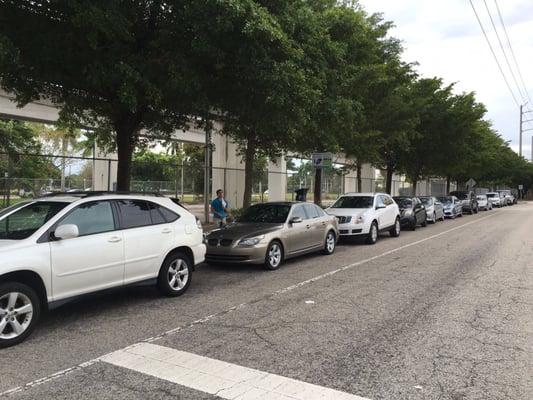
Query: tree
339, 57
125, 68
265, 91
21, 150
431, 133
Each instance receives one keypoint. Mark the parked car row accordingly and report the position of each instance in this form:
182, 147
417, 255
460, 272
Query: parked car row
63, 246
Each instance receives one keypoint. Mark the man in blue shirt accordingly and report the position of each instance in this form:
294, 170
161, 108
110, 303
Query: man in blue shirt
219, 208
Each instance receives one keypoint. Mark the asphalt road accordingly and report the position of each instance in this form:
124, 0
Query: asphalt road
445, 312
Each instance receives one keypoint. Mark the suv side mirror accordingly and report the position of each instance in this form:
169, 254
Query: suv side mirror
380, 206
68, 231
296, 220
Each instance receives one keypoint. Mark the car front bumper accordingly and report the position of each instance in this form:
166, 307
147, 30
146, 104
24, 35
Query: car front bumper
407, 220
237, 255
353, 229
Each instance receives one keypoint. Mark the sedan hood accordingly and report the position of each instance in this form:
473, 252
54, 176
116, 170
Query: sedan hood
240, 230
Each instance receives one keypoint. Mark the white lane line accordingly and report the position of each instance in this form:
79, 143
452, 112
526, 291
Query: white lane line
218, 378
208, 318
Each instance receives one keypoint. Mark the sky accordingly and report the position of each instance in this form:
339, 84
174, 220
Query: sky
445, 38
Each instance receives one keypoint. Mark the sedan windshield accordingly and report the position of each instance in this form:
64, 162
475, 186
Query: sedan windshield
491, 195
27, 220
354, 202
446, 199
427, 201
266, 213
404, 202
461, 195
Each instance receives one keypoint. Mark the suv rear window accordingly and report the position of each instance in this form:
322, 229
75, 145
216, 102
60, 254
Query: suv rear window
162, 215
134, 213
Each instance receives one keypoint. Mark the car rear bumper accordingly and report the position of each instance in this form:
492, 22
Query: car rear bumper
198, 252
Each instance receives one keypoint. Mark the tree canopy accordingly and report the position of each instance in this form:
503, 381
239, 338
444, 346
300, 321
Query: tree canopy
282, 76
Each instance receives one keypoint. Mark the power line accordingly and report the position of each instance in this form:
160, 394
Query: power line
512, 51
503, 51
494, 54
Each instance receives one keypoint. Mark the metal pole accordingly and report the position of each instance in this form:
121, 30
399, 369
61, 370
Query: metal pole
207, 171
108, 175
520, 146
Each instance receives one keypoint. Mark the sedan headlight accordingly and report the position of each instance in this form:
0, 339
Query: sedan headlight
251, 241
407, 213
199, 223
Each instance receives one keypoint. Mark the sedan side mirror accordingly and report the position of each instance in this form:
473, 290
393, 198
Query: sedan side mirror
296, 220
68, 231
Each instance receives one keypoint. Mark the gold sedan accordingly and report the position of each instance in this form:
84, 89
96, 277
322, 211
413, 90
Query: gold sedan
270, 233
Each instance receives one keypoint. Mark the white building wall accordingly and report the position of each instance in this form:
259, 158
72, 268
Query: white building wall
277, 179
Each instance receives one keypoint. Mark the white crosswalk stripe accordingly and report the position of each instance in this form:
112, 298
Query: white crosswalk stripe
225, 380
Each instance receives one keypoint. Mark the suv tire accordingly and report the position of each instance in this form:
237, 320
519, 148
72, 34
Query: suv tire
20, 309
396, 228
175, 274
373, 233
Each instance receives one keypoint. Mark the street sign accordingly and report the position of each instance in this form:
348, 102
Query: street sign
471, 183
322, 160
521, 187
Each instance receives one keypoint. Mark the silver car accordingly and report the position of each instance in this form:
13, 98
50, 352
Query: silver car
452, 206
483, 202
496, 199
434, 208
270, 233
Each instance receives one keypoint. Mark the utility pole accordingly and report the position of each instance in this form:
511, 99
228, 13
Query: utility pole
523, 115
520, 141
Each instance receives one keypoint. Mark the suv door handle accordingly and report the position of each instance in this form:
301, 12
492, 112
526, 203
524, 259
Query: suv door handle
308, 226
114, 239
166, 230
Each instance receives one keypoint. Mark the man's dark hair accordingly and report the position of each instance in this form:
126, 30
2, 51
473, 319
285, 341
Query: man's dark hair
218, 191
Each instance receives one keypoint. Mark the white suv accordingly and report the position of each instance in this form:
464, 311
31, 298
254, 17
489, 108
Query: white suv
58, 247
366, 214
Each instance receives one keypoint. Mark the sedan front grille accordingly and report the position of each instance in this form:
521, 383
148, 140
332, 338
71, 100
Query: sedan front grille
226, 242
344, 219
212, 242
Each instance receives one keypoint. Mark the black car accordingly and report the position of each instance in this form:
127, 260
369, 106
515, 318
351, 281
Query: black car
468, 200
412, 211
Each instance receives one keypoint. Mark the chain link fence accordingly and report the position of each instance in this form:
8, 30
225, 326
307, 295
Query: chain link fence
32, 175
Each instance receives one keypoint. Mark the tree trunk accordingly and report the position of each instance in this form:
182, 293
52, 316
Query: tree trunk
358, 169
448, 184
388, 185
415, 182
125, 140
317, 189
249, 157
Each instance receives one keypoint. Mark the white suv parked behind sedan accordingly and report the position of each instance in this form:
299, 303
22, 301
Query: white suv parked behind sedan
366, 214
58, 247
